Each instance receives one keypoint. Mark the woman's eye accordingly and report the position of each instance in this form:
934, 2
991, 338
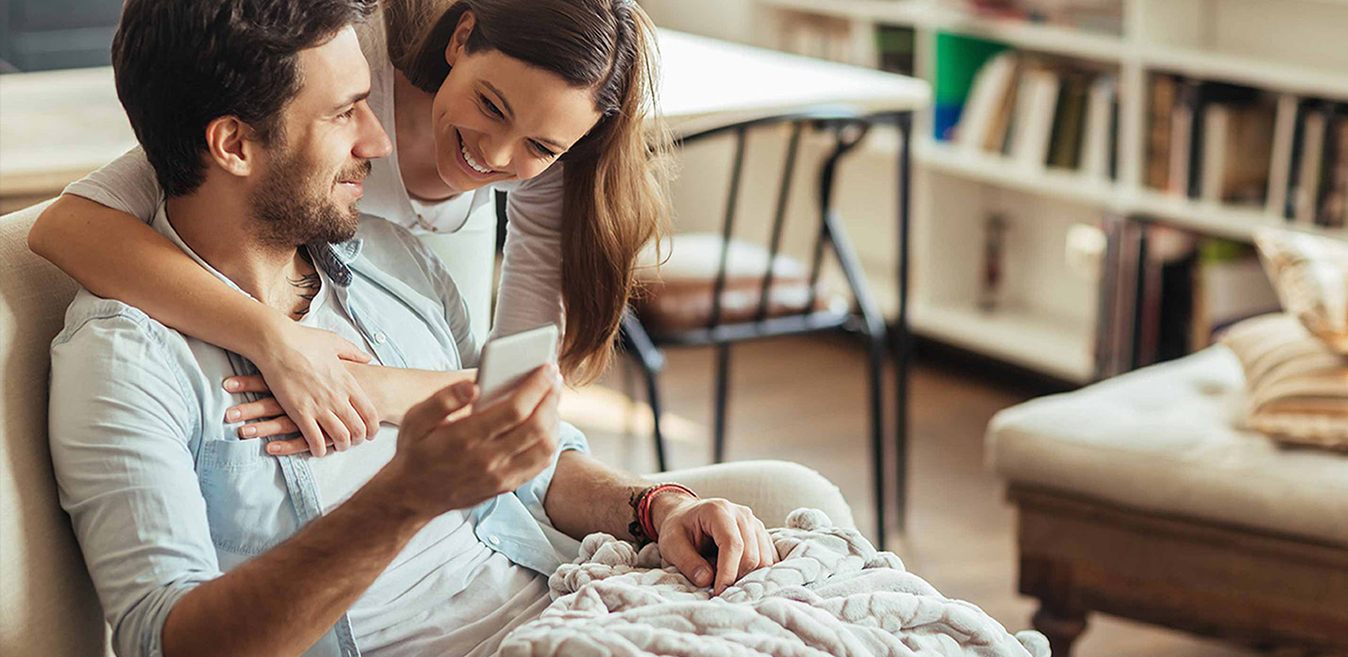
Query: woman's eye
491, 107
542, 150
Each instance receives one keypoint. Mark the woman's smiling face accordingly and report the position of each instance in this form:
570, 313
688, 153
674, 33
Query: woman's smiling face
497, 118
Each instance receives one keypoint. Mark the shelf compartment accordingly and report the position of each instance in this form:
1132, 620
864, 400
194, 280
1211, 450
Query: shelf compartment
1061, 347
1248, 71
1018, 33
1001, 171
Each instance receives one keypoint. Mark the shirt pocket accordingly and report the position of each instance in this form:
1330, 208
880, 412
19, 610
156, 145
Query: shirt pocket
245, 493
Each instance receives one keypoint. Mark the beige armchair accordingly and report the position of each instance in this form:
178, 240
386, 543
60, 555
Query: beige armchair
48, 607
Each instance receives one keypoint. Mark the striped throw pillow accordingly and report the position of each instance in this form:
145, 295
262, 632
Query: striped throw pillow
1297, 388
1310, 274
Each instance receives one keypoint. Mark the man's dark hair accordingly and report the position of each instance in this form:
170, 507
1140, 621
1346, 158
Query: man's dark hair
181, 64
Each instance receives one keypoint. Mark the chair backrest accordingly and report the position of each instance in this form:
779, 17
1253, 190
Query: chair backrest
48, 606
847, 128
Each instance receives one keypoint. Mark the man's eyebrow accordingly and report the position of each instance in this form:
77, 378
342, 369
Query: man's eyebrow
355, 98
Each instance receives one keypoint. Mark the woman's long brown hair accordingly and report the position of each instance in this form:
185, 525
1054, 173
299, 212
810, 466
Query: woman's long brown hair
615, 199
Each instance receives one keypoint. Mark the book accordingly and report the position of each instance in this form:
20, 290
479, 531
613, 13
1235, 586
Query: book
1033, 126
1099, 130
1064, 150
998, 139
1199, 96
1181, 137
985, 101
1312, 146
1334, 181
1216, 123
1280, 157
1237, 144
1163, 88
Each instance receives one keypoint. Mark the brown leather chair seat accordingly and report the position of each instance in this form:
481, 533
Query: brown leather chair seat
678, 295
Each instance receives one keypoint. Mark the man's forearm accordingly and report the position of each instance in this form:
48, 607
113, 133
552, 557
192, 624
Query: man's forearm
586, 496
283, 601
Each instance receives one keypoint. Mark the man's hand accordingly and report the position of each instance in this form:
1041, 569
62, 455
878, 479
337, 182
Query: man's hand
691, 528
448, 461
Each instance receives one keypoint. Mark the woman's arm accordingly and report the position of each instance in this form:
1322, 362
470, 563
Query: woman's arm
530, 292
394, 390
113, 254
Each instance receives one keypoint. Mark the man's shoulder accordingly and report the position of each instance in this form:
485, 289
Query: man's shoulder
91, 318
395, 249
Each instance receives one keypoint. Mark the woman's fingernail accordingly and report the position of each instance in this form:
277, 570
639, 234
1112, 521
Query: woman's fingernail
248, 432
232, 414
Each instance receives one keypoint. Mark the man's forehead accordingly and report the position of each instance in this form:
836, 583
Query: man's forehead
333, 72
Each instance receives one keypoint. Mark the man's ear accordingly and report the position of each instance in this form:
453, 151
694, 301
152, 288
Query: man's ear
233, 146
459, 40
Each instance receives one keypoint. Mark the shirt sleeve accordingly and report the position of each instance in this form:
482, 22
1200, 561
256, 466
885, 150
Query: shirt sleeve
128, 184
530, 292
120, 428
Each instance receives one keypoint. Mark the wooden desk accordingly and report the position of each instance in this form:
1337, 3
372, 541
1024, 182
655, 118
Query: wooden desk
55, 127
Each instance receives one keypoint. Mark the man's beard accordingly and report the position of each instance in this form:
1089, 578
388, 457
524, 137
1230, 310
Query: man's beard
295, 208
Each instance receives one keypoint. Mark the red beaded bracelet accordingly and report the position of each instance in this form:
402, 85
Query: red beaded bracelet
643, 527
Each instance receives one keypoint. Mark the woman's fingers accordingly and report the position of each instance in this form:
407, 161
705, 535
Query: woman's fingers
268, 407
368, 413
253, 383
346, 350
288, 447
277, 426
313, 436
336, 431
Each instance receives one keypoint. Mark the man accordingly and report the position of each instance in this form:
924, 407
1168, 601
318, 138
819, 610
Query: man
436, 540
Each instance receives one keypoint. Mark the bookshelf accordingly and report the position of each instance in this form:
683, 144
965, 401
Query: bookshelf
1051, 320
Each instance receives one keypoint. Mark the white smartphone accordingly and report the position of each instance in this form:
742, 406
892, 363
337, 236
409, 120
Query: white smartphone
508, 359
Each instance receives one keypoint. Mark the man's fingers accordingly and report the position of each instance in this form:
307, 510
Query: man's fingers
268, 407
678, 550
767, 551
277, 426
749, 561
540, 426
518, 406
729, 549
434, 409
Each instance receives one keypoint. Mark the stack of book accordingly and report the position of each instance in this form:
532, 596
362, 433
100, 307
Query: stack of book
1241, 146
1040, 112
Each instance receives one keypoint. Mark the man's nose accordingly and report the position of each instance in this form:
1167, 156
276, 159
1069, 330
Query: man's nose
373, 142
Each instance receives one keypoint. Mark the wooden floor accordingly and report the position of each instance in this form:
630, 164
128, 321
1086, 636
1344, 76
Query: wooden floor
804, 400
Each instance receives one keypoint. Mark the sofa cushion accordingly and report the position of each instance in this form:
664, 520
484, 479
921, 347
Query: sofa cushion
49, 606
1310, 273
1166, 438
1297, 387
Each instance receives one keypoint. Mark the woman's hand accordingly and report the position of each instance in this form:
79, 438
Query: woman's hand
313, 390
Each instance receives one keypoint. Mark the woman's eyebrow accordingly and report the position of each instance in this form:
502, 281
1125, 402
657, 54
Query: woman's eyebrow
505, 103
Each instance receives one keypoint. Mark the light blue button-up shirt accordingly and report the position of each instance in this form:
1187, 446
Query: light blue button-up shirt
162, 494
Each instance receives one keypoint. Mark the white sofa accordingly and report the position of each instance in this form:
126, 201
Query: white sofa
47, 604
1142, 496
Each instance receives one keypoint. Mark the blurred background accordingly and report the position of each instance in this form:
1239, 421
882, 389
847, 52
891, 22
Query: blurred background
1088, 183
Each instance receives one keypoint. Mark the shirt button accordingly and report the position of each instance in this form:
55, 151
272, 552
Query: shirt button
380, 337
494, 540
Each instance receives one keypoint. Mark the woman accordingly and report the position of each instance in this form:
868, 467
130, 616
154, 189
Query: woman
589, 199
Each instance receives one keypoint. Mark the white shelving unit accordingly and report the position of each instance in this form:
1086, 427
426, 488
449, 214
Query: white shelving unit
1049, 324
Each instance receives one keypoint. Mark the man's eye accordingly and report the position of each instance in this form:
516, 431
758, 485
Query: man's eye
347, 114
491, 107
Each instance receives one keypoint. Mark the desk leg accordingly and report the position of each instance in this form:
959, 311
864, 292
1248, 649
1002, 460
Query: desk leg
902, 336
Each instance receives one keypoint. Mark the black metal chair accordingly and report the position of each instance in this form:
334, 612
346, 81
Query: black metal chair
769, 318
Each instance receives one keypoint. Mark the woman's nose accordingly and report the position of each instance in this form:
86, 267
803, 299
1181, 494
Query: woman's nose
496, 152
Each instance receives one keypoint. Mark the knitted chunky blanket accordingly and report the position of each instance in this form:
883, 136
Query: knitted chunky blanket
831, 593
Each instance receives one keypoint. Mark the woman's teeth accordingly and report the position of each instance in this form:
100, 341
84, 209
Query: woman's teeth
468, 157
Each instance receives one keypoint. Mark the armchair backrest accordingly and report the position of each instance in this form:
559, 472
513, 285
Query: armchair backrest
48, 605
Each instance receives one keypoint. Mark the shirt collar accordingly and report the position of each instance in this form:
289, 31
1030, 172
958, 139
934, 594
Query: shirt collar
334, 259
